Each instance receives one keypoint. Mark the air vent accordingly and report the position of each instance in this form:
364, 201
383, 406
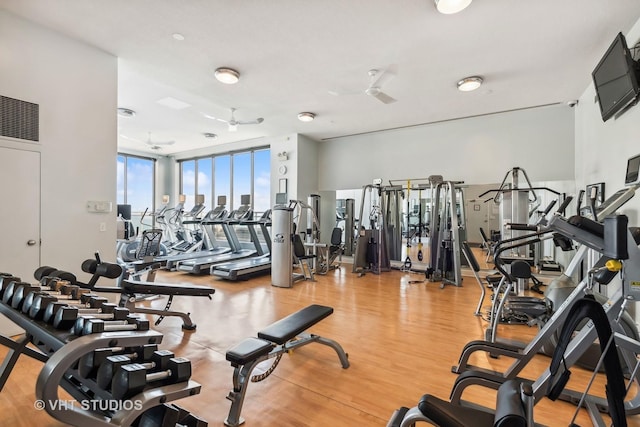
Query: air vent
19, 119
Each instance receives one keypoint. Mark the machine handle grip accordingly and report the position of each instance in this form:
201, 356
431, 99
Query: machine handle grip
564, 204
522, 227
548, 209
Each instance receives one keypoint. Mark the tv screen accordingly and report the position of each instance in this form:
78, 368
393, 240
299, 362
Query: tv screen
615, 79
633, 167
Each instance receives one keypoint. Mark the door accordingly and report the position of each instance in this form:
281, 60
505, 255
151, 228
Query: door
19, 216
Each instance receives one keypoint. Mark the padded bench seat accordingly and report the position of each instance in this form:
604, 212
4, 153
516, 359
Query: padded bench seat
166, 289
249, 349
293, 325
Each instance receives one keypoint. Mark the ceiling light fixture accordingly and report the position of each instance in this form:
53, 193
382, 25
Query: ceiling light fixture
126, 112
177, 36
306, 116
469, 83
449, 7
210, 135
227, 76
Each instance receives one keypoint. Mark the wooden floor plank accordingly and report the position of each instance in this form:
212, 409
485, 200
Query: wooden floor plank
402, 340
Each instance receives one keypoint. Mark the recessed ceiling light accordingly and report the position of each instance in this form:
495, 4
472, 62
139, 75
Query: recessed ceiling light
174, 103
126, 112
177, 36
469, 83
451, 6
306, 117
210, 135
227, 76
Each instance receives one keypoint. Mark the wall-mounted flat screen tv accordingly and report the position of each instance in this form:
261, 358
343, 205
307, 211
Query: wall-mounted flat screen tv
615, 79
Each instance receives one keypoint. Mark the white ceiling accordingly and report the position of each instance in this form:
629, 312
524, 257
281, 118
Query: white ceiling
291, 53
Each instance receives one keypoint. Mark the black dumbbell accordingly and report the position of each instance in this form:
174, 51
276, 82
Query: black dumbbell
130, 380
159, 360
92, 306
11, 289
90, 362
96, 326
5, 281
109, 312
40, 304
32, 297
66, 292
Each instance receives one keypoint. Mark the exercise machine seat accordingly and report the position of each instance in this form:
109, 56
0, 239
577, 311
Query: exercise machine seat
249, 349
444, 414
293, 325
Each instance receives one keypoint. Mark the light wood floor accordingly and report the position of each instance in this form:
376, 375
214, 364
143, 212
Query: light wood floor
402, 340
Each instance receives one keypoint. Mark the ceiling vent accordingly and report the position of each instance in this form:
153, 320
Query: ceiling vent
19, 119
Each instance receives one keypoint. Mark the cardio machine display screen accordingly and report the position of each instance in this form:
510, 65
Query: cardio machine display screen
633, 167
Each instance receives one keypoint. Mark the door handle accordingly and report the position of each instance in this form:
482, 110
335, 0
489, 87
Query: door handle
31, 242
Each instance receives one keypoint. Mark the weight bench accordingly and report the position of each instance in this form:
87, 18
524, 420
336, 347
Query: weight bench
272, 342
514, 408
130, 290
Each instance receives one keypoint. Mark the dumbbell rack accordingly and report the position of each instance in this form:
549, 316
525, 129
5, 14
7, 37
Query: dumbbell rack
60, 350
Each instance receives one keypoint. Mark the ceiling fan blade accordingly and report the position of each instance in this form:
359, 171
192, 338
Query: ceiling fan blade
383, 97
251, 122
130, 139
215, 118
384, 76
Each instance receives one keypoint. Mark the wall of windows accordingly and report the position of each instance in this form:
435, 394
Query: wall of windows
136, 182
230, 175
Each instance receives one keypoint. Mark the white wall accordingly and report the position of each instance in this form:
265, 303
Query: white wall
76, 88
602, 149
477, 150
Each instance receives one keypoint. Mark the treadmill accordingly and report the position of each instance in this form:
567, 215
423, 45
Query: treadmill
238, 249
248, 267
218, 213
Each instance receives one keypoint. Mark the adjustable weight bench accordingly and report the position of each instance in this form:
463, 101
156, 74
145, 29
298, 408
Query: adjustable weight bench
129, 289
272, 342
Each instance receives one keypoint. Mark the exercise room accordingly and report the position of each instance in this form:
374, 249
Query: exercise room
319, 214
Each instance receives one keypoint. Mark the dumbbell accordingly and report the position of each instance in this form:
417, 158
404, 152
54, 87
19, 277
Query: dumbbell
58, 286
159, 360
94, 306
131, 379
109, 312
11, 289
5, 279
69, 292
96, 326
32, 297
90, 362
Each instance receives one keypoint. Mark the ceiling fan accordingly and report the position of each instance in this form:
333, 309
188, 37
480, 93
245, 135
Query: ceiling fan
377, 79
233, 123
155, 145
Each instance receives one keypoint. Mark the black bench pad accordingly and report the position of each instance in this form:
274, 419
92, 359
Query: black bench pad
293, 325
249, 349
166, 288
444, 413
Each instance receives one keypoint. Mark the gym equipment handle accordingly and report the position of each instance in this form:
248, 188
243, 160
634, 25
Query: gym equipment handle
523, 227
564, 204
548, 209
